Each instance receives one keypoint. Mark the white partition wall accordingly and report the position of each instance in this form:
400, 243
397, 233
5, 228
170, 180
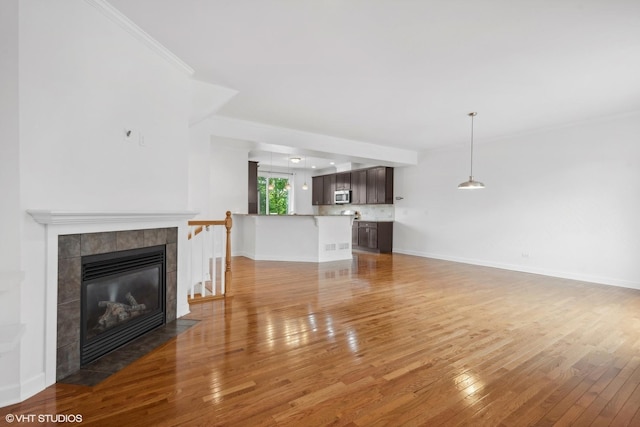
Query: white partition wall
301, 238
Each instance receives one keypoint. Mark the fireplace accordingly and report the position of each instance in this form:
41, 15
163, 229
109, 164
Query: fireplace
83, 262
71, 235
122, 297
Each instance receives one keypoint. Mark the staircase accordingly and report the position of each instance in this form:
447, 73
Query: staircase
210, 259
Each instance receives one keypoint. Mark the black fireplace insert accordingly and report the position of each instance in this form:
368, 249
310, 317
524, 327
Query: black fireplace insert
123, 297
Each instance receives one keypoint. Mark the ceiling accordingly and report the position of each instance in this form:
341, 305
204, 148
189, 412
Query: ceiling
281, 162
405, 73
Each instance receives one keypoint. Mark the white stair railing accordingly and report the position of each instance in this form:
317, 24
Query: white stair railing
207, 244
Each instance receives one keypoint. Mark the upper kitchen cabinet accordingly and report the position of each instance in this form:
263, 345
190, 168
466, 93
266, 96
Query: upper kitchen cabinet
359, 187
343, 181
322, 189
317, 190
252, 207
380, 185
328, 188
368, 186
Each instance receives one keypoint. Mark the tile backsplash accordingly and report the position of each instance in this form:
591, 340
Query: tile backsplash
367, 212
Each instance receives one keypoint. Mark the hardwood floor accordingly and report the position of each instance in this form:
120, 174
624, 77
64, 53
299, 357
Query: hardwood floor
383, 340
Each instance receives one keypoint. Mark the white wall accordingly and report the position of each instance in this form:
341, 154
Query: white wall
9, 137
9, 192
218, 178
229, 176
302, 198
206, 100
83, 80
562, 202
200, 171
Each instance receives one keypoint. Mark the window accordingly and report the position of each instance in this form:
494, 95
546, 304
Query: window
279, 198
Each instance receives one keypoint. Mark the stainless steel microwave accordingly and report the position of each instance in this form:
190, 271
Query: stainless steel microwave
342, 196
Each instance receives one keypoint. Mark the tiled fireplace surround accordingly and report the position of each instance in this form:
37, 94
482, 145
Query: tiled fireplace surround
71, 249
103, 230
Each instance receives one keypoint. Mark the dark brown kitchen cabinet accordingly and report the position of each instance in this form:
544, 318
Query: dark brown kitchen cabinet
359, 187
368, 186
253, 188
328, 188
354, 234
372, 236
343, 181
317, 190
368, 237
379, 185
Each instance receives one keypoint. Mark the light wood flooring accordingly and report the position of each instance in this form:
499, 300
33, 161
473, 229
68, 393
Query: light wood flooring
384, 340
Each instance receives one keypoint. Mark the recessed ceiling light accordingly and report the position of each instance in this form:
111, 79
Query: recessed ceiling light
332, 163
313, 167
295, 160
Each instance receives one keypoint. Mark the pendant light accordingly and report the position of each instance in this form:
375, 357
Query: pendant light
270, 186
305, 186
471, 184
288, 185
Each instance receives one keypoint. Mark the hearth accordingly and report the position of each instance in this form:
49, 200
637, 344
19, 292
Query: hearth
122, 297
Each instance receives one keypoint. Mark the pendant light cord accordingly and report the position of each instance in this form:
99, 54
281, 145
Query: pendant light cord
471, 171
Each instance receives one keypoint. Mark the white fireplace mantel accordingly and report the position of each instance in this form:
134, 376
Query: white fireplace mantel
50, 217
59, 222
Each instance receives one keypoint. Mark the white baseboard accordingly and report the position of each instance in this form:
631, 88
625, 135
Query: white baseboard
526, 269
9, 395
16, 393
266, 257
287, 259
32, 386
183, 310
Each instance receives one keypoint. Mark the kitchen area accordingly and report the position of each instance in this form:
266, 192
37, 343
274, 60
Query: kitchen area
368, 195
338, 213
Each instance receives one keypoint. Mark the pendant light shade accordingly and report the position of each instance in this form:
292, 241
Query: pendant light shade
471, 184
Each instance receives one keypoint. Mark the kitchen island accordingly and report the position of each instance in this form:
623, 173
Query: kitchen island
301, 238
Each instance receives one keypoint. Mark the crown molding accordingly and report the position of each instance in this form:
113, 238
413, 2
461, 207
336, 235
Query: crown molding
125, 23
49, 217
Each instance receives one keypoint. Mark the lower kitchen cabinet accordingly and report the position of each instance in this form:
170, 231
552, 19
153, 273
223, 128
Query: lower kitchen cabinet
372, 236
354, 234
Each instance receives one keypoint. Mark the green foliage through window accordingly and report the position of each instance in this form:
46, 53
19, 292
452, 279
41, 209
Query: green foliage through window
278, 197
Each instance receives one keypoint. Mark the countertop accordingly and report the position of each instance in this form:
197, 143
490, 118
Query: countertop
290, 215
312, 215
